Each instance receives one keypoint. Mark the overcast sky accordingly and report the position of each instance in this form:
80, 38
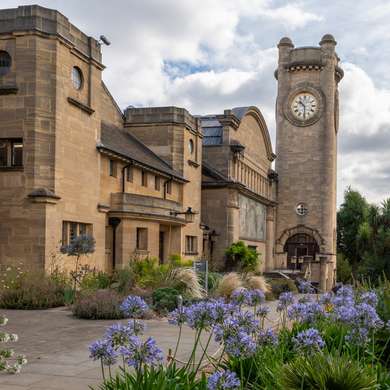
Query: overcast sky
211, 55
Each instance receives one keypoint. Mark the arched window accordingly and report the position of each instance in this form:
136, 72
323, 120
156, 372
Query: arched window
5, 62
77, 78
191, 146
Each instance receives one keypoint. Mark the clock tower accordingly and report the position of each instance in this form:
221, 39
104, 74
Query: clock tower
306, 148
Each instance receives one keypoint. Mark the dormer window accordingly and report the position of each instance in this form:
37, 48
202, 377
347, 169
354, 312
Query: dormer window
5, 62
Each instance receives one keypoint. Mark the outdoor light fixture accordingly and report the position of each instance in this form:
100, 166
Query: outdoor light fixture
104, 40
189, 215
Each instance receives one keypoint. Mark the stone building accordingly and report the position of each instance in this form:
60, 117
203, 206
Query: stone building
158, 181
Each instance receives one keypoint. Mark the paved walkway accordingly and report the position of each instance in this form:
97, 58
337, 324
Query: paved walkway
56, 345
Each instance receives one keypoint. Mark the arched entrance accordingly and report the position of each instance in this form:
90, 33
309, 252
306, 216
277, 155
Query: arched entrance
300, 247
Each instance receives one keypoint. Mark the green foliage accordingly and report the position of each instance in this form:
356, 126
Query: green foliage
323, 372
169, 378
95, 281
344, 269
241, 257
123, 280
282, 285
29, 289
98, 305
363, 236
165, 299
352, 214
149, 273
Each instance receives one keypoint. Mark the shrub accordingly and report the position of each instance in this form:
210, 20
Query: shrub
323, 371
228, 284
258, 282
123, 280
282, 285
30, 290
149, 273
165, 299
186, 281
95, 281
98, 305
242, 258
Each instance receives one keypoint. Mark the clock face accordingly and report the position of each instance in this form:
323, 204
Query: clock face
304, 106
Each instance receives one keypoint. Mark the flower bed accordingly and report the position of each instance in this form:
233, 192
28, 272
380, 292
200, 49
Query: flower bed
333, 341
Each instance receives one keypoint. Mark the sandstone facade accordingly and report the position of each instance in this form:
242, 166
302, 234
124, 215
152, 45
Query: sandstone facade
157, 181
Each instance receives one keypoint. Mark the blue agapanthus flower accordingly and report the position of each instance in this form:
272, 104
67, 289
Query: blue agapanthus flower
369, 297
177, 316
257, 297
305, 287
200, 315
285, 299
222, 380
138, 352
266, 337
309, 340
241, 297
305, 312
240, 344
134, 307
104, 351
262, 311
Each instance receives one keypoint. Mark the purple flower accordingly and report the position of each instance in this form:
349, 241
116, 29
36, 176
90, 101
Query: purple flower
305, 312
138, 353
370, 298
118, 334
358, 336
222, 380
134, 307
177, 316
267, 337
200, 315
305, 287
103, 350
241, 297
344, 296
263, 311
326, 298
246, 321
309, 340
367, 317
240, 344
257, 297
285, 299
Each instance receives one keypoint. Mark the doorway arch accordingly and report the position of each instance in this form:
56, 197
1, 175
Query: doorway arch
300, 246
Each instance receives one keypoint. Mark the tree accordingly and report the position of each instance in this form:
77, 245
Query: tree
78, 247
352, 215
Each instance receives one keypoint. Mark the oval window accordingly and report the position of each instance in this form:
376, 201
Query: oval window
77, 78
5, 62
191, 146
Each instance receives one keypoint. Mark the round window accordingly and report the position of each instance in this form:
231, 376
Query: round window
191, 146
301, 209
5, 62
77, 78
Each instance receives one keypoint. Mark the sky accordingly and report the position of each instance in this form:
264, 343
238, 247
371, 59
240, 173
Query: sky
211, 55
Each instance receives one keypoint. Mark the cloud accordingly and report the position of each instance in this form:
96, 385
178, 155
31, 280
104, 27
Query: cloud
209, 56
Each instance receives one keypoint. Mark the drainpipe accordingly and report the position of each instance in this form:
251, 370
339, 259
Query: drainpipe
114, 222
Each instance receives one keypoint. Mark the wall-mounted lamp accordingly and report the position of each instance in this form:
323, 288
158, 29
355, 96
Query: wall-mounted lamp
189, 215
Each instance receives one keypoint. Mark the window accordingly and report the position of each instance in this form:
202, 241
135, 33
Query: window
169, 187
157, 183
71, 230
5, 62
191, 245
11, 153
129, 174
144, 179
191, 146
142, 239
112, 168
77, 78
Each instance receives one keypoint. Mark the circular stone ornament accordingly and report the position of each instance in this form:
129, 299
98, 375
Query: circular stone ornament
304, 105
301, 209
